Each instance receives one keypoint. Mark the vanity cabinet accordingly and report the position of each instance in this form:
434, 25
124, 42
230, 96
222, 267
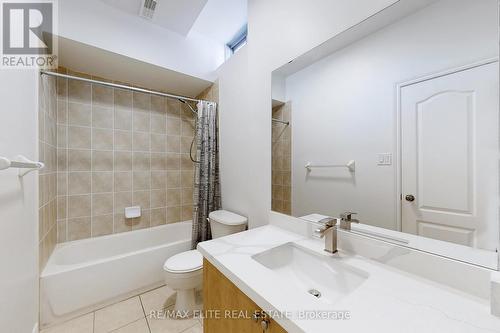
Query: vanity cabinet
228, 309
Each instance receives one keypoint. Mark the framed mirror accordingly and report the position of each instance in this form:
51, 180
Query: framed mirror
397, 120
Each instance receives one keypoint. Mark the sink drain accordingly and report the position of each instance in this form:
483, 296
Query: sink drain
315, 293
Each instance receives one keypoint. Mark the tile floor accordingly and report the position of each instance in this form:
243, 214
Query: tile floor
132, 316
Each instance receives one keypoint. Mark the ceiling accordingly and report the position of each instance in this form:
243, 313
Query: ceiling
218, 20
174, 15
92, 60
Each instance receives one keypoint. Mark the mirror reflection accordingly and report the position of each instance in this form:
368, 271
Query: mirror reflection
398, 122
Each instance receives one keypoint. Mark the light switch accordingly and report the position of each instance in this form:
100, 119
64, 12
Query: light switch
384, 159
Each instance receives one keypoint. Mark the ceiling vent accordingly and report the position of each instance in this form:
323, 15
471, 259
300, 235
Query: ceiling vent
148, 8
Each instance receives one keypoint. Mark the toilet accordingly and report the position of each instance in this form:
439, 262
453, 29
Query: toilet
183, 272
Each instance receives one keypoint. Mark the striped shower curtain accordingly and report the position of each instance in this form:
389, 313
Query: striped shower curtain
206, 194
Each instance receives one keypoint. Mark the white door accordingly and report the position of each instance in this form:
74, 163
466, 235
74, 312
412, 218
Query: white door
449, 141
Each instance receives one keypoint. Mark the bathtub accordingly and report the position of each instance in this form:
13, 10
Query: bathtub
84, 275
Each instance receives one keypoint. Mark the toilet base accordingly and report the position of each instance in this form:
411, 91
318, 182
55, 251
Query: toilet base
185, 302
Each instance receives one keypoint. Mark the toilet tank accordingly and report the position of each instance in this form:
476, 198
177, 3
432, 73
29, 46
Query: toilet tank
223, 223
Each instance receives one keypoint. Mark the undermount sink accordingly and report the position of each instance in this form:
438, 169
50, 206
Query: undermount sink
324, 277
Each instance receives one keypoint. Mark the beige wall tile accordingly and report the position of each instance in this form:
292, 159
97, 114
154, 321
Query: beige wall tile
62, 138
122, 200
102, 160
102, 181
123, 99
61, 207
102, 117
141, 198
120, 224
173, 161
187, 213
79, 137
158, 198
173, 197
158, 180
123, 140
173, 144
158, 161
142, 162
78, 228
102, 204
79, 91
141, 121
61, 231
173, 107
123, 161
173, 126
158, 123
78, 206
186, 163
187, 196
158, 105
158, 216
141, 180
102, 225
141, 222
158, 143
173, 214
123, 119
102, 95
102, 139
79, 183
79, 160
123, 181
140, 141
142, 102
173, 179
79, 114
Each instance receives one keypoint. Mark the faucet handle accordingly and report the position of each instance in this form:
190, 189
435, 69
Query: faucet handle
328, 221
346, 216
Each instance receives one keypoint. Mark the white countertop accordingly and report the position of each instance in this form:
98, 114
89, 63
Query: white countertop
390, 300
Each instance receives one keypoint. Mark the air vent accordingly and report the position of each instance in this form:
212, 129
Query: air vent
147, 10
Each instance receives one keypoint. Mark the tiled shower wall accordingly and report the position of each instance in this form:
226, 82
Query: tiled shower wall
116, 148
47, 177
281, 160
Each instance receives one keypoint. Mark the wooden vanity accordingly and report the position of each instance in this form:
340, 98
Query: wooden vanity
228, 309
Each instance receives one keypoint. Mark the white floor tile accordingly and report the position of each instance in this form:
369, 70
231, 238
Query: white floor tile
158, 299
140, 326
83, 324
171, 325
118, 315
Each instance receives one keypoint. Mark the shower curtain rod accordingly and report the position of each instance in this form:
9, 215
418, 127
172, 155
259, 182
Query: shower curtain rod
121, 86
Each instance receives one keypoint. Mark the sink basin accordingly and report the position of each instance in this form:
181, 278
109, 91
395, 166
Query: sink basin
324, 277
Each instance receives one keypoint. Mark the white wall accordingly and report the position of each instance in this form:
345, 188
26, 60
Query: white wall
344, 105
95, 23
18, 203
279, 31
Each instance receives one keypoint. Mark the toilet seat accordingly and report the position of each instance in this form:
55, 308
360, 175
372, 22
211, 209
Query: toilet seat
184, 262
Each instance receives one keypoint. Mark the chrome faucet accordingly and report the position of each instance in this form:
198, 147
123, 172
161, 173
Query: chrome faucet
329, 231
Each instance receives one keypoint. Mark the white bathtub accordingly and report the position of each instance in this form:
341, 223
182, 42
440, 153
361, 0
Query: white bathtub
81, 276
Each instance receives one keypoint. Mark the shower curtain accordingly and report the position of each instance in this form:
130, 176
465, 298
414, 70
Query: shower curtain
206, 194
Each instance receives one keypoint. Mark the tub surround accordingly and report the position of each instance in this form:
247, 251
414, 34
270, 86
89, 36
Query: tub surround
391, 298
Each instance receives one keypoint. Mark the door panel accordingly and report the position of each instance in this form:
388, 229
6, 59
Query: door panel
449, 140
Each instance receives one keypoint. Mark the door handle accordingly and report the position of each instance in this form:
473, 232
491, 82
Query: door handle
410, 198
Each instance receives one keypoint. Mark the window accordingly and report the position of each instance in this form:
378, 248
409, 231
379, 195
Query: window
239, 41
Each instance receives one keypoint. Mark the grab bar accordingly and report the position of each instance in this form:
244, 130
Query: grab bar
22, 163
351, 165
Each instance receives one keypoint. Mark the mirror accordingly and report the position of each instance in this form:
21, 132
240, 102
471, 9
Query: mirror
397, 119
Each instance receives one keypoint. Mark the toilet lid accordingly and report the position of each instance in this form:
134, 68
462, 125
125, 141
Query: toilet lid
227, 218
184, 262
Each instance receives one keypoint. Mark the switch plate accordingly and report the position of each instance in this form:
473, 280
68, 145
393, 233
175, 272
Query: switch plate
384, 159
